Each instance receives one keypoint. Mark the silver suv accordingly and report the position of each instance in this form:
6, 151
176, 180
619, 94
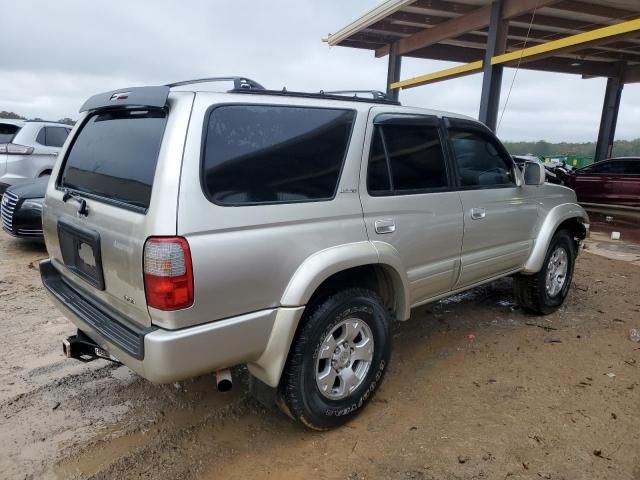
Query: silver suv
28, 149
191, 230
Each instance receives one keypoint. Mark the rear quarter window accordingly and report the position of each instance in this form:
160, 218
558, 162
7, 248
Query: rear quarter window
258, 154
52, 136
56, 136
114, 156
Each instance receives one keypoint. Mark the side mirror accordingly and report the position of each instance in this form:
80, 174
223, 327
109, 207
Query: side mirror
534, 173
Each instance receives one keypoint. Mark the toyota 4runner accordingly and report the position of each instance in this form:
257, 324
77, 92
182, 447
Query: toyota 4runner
191, 230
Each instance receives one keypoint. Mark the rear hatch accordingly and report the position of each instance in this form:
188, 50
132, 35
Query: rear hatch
115, 185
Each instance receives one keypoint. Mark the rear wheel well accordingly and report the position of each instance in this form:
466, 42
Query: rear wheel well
45, 173
377, 278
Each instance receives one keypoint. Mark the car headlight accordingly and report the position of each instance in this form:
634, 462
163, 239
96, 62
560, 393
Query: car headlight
34, 204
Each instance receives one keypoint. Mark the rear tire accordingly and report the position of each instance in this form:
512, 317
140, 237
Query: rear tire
544, 292
338, 359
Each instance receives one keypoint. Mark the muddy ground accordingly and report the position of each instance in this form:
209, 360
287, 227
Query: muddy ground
476, 389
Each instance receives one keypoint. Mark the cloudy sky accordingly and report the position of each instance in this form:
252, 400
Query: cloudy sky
56, 54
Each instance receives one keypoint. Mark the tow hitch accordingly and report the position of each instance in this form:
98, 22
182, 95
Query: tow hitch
82, 348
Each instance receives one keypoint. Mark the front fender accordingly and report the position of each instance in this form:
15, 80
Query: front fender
554, 218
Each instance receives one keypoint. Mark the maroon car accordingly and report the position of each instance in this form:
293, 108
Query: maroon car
613, 181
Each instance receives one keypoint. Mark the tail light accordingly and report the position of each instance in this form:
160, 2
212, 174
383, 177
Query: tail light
15, 149
168, 273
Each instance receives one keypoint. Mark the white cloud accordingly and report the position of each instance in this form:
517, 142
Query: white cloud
59, 53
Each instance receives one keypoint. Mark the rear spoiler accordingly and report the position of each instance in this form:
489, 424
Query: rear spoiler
152, 97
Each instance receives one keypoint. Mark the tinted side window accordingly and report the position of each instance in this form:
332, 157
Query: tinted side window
616, 167
416, 157
377, 171
56, 136
479, 160
415, 160
269, 154
42, 138
633, 167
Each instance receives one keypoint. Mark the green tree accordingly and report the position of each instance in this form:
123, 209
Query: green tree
621, 148
10, 115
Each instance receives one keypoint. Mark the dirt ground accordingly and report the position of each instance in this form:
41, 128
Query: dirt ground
476, 389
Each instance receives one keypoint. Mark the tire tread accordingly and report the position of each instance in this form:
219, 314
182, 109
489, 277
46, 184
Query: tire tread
291, 397
529, 290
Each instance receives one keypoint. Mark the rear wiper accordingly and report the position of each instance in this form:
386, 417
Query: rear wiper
83, 211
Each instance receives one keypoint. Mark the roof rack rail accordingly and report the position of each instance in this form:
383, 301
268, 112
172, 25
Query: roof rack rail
238, 82
319, 95
34, 120
375, 94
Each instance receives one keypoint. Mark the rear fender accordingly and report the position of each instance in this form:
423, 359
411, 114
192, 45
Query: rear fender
308, 277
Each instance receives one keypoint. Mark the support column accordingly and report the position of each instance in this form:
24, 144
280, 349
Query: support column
609, 119
492, 78
393, 72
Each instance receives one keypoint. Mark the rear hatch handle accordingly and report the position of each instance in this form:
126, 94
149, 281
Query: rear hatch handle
83, 210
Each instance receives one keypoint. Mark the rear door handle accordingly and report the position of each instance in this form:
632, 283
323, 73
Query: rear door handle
478, 213
385, 226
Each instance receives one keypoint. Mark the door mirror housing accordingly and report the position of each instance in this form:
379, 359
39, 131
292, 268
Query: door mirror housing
534, 173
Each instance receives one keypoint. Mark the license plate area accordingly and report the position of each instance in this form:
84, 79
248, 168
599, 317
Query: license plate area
80, 249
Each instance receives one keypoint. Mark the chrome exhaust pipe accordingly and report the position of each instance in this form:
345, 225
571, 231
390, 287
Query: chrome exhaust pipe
224, 381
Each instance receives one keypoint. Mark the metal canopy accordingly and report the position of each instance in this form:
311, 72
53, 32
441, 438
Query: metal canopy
592, 38
459, 31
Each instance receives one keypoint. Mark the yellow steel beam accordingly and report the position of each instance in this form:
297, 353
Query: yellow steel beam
449, 73
563, 44
549, 49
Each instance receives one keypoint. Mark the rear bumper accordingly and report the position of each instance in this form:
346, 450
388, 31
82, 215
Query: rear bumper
160, 355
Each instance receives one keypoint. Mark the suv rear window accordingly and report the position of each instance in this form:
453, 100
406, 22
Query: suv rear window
7, 132
114, 156
257, 154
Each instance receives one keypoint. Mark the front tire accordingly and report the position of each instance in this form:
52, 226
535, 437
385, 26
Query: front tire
338, 359
544, 292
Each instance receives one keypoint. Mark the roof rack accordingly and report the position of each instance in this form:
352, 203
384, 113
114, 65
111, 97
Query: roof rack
44, 121
239, 83
322, 95
375, 94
